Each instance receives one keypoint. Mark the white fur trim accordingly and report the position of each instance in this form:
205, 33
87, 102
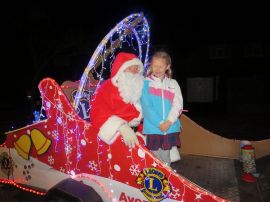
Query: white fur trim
125, 65
136, 121
108, 132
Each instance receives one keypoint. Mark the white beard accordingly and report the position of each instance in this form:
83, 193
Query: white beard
130, 86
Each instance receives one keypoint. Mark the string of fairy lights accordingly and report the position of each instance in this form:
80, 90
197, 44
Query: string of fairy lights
133, 28
65, 125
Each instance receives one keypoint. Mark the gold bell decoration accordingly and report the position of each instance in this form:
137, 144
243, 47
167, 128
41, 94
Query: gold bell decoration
41, 143
23, 146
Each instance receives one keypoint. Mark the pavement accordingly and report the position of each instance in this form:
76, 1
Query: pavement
214, 174
220, 176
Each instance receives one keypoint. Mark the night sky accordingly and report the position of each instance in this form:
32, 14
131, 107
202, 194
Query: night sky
178, 27
35, 33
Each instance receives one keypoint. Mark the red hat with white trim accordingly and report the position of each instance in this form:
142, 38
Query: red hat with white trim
123, 61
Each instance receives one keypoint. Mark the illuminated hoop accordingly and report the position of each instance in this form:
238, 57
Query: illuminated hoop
133, 28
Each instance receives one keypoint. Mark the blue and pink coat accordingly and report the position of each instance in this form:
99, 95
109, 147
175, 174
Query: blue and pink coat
161, 101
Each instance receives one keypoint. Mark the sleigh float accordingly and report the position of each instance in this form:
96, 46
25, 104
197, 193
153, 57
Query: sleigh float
63, 150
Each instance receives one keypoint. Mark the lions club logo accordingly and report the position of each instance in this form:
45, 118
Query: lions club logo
154, 184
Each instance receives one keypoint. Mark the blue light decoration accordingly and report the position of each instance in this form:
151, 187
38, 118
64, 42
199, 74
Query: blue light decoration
36, 116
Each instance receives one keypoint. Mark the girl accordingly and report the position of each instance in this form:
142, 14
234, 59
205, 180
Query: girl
162, 103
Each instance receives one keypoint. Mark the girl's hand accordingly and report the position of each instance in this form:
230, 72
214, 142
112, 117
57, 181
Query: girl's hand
164, 126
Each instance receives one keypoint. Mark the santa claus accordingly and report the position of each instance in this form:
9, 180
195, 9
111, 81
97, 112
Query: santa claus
115, 106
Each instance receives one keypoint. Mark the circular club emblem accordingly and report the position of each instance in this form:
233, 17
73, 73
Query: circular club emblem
154, 184
6, 164
84, 107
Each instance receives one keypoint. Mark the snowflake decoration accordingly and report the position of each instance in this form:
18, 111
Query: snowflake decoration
198, 197
68, 148
59, 106
51, 160
71, 116
175, 193
92, 165
55, 134
134, 170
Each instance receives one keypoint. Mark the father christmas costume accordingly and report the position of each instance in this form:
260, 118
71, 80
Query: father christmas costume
110, 106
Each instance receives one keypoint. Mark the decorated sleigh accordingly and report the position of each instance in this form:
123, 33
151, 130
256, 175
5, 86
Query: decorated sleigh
64, 147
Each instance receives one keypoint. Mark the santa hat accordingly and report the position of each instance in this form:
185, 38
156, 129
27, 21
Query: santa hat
123, 61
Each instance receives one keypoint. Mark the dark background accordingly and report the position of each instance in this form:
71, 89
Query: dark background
224, 47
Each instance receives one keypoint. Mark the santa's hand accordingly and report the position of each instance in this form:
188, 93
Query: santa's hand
128, 135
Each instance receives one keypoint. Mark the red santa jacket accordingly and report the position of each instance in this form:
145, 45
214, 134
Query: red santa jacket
108, 110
